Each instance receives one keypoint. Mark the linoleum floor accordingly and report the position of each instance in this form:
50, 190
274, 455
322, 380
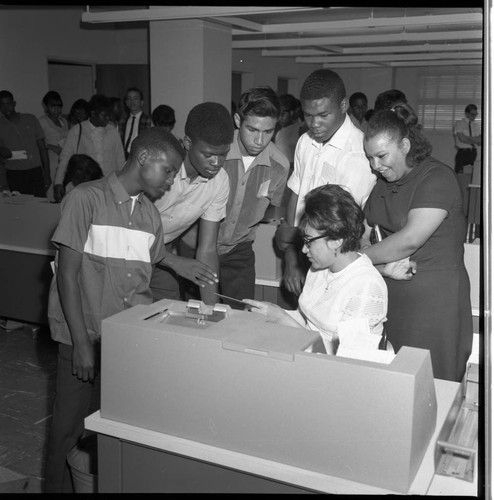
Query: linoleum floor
28, 360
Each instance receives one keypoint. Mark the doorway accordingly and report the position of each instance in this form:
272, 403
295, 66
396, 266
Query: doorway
72, 80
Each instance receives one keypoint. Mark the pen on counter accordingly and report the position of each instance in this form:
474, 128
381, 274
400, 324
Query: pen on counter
250, 306
156, 314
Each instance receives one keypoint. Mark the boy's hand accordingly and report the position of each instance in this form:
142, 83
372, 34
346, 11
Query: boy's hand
58, 192
285, 235
83, 361
293, 274
191, 269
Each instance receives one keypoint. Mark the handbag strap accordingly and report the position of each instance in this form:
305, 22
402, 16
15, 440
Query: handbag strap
79, 139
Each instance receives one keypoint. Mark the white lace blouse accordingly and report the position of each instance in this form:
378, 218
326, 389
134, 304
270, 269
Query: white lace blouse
328, 299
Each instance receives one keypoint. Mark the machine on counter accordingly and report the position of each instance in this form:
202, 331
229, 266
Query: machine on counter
227, 378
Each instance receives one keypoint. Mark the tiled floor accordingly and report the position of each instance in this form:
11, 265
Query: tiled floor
27, 377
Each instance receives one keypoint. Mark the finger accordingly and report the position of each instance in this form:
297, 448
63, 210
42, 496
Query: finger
252, 302
207, 276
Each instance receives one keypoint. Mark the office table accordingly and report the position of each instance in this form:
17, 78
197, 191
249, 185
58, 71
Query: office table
133, 459
26, 226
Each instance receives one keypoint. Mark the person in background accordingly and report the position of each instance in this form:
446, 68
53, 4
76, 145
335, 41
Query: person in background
331, 152
23, 149
4, 153
358, 110
341, 285
164, 116
78, 112
417, 205
197, 198
94, 137
134, 120
288, 129
98, 275
116, 111
467, 132
388, 98
81, 168
55, 128
257, 173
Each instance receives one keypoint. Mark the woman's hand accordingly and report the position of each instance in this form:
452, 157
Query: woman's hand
273, 312
403, 269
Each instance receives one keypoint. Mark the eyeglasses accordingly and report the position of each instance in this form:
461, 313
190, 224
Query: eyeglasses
308, 241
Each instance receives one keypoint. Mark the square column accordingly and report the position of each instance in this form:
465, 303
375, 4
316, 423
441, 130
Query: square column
190, 63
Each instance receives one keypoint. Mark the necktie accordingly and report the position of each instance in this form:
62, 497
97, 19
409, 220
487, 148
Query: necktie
127, 143
470, 130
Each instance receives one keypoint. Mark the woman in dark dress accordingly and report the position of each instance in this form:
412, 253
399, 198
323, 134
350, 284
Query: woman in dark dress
417, 204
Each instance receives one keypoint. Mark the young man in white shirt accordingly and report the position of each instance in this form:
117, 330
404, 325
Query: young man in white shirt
330, 152
199, 194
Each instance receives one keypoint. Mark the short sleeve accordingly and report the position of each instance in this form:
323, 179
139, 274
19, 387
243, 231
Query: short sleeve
295, 178
280, 188
437, 189
216, 211
75, 220
38, 130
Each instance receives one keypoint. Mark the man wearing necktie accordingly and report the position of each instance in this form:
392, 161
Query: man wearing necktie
467, 137
132, 124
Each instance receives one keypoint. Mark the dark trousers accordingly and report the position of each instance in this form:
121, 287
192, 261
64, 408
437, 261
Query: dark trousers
74, 401
29, 181
464, 157
238, 273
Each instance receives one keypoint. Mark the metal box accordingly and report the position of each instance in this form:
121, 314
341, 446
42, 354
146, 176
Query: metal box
239, 383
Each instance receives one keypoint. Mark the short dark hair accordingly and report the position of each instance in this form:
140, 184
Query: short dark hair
259, 101
52, 96
6, 94
289, 102
332, 210
79, 104
470, 108
82, 168
163, 116
355, 96
99, 103
400, 122
156, 140
135, 89
210, 122
323, 83
388, 98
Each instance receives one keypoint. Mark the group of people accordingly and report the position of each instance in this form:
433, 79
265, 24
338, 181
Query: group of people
373, 234
35, 153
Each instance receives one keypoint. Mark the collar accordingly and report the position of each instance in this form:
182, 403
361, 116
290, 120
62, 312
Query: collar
137, 115
263, 158
92, 128
339, 138
411, 175
184, 177
120, 195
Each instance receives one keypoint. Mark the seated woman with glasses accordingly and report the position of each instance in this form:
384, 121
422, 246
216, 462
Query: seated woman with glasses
342, 285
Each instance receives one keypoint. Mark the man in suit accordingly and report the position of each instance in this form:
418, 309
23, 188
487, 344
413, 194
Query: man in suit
133, 123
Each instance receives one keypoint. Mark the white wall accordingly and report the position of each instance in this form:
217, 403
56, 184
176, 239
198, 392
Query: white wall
31, 36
